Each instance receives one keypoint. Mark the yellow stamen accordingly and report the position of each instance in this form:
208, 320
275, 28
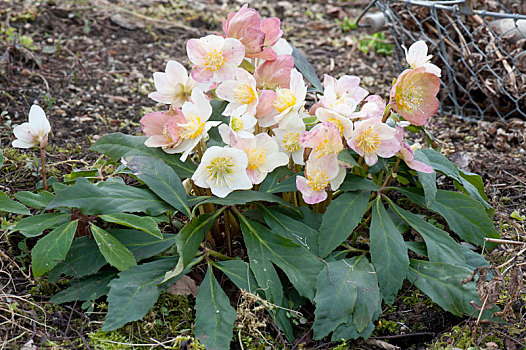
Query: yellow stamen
193, 128
326, 148
256, 157
291, 142
220, 170
244, 94
317, 179
237, 124
284, 99
337, 124
214, 60
368, 141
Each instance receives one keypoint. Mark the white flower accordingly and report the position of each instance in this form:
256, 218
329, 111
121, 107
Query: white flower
240, 126
263, 156
33, 133
290, 101
288, 137
196, 126
282, 47
344, 125
174, 86
223, 170
241, 93
417, 57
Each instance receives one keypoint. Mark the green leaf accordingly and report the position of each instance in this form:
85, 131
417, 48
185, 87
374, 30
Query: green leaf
161, 179
189, 238
388, 252
116, 254
52, 248
239, 273
83, 259
241, 197
440, 246
143, 223
340, 219
1, 158
417, 247
357, 183
33, 226
300, 266
368, 292
10, 206
273, 182
214, 318
348, 330
428, 181
292, 229
34, 200
346, 157
108, 198
464, 215
336, 293
305, 68
141, 244
441, 282
89, 288
118, 145
135, 292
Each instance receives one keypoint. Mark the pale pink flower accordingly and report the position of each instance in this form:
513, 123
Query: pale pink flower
318, 176
223, 170
265, 111
240, 93
174, 86
343, 124
282, 47
33, 133
288, 135
162, 128
414, 95
372, 138
290, 101
263, 155
324, 139
195, 126
240, 126
256, 35
347, 85
215, 58
408, 155
417, 57
373, 107
274, 74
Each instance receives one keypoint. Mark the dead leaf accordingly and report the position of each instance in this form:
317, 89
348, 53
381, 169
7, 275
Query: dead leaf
184, 286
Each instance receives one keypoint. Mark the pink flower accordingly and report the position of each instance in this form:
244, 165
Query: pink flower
174, 86
263, 155
417, 57
414, 95
373, 108
265, 111
162, 129
215, 58
288, 135
241, 93
346, 86
256, 35
318, 176
408, 155
343, 124
273, 74
324, 139
372, 138
33, 133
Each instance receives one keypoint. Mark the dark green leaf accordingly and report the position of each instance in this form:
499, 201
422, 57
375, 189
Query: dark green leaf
52, 248
33, 226
357, 183
118, 145
116, 254
388, 252
473, 259
135, 292
214, 319
143, 223
417, 247
161, 179
87, 288
428, 181
239, 273
305, 68
10, 206
346, 157
348, 330
108, 198
292, 229
141, 244
340, 219
273, 182
34, 200
242, 197
300, 266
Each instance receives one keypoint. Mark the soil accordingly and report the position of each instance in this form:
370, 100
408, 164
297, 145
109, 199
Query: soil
91, 70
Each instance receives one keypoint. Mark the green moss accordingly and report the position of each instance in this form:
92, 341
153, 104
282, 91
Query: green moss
108, 341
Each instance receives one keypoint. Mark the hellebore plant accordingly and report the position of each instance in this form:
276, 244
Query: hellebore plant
288, 203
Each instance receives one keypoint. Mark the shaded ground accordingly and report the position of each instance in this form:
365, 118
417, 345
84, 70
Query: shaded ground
90, 65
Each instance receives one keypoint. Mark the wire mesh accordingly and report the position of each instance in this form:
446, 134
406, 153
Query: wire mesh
480, 46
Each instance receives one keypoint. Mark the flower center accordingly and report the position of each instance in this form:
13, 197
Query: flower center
326, 148
407, 98
244, 94
284, 99
237, 124
192, 128
368, 141
337, 124
317, 179
291, 142
214, 60
256, 157
220, 170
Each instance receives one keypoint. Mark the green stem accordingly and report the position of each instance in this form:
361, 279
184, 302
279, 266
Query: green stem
218, 255
43, 166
